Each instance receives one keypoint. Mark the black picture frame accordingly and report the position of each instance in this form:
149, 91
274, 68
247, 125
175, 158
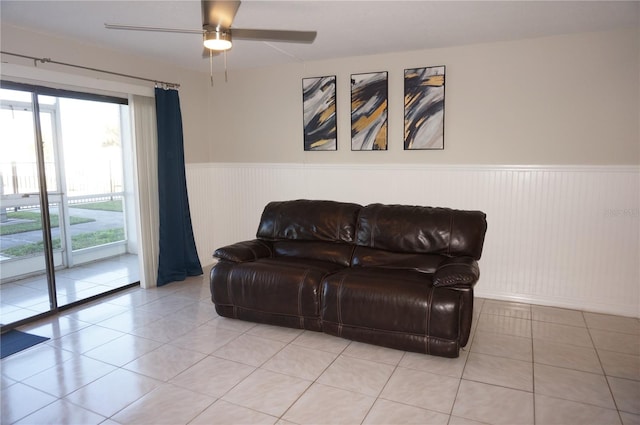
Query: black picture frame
424, 95
369, 111
319, 113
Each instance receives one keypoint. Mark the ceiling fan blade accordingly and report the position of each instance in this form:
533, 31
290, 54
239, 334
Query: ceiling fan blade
274, 35
219, 14
153, 29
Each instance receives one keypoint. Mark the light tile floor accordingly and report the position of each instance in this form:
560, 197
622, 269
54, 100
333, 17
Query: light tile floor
163, 356
28, 297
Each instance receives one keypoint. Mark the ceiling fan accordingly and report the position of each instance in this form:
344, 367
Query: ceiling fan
217, 33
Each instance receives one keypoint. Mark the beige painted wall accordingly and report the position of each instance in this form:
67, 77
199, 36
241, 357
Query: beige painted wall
569, 99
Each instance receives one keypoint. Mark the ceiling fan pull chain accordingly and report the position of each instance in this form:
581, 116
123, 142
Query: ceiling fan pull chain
225, 66
211, 66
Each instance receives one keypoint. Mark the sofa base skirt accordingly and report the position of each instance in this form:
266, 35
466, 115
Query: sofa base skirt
397, 340
299, 322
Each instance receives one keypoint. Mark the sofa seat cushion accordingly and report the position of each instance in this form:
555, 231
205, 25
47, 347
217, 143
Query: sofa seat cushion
370, 257
396, 308
334, 252
275, 286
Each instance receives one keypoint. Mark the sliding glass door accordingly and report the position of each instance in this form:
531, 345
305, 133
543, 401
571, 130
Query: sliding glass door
65, 152
22, 239
21, 213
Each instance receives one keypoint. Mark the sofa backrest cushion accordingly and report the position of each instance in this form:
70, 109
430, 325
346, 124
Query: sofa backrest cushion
307, 220
413, 229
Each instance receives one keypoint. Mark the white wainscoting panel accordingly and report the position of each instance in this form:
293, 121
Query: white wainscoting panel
566, 236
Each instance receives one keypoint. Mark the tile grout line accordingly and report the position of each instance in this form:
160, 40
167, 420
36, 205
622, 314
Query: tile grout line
395, 367
604, 373
470, 343
161, 382
533, 367
122, 367
163, 344
212, 355
281, 417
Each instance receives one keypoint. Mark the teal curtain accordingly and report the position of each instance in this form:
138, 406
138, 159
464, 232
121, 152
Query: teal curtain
178, 257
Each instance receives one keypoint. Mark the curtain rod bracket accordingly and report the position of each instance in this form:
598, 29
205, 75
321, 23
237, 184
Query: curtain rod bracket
41, 60
165, 86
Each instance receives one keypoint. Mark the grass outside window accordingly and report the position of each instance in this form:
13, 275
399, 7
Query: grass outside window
33, 222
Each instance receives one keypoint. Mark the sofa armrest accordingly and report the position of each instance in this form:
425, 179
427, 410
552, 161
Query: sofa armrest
457, 271
241, 252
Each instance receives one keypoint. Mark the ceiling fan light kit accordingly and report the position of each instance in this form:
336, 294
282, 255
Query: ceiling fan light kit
218, 40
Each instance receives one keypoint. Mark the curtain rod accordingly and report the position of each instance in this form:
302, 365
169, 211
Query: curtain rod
49, 60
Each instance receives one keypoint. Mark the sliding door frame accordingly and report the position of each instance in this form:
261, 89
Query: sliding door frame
53, 81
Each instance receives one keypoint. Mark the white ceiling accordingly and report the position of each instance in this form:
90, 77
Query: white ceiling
345, 28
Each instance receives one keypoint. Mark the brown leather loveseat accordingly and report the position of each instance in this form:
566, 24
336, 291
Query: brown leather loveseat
392, 275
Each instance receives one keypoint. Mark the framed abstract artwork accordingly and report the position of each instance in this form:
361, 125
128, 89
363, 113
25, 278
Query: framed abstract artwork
369, 111
424, 108
319, 113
